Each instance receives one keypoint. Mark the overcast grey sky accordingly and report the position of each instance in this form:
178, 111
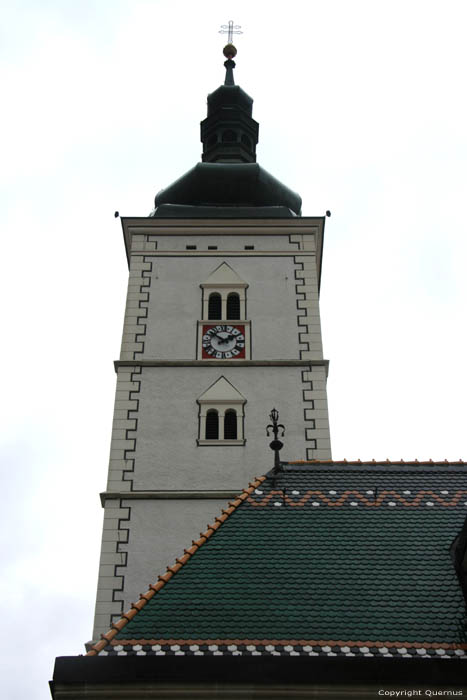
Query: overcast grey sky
362, 110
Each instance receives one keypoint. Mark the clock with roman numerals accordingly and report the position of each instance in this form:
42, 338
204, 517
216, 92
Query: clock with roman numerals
223, 341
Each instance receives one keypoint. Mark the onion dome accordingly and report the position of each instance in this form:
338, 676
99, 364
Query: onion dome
229, 133
228, 182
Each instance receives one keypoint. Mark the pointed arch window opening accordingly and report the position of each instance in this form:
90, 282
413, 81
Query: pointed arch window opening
215, 307
212, 424
224, 305
233, 306
222, 425
230, 424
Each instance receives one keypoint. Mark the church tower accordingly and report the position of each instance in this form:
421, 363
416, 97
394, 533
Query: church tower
221, 323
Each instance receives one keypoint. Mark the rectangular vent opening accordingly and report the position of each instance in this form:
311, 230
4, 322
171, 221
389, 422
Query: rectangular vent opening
191, 247
249, 247
212, 247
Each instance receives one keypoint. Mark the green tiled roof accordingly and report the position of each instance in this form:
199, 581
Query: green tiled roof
326, 553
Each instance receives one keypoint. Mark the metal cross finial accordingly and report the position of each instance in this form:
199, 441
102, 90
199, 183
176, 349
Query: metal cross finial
230, 29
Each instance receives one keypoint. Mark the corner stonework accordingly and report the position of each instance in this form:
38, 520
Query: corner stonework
123, 443
317, 436
136, 311
109, 583
116, 514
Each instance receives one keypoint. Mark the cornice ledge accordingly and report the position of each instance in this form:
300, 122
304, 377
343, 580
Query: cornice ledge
220, 363
164, 495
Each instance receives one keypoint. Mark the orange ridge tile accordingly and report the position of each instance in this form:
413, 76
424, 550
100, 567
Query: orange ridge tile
118, 625
182, 560
156, 586
171, 571
192, 549
129, 615
174, 568
165, 577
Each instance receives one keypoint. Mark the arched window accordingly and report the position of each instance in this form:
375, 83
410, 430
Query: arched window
215, 307
230, 424
212, 425
233, 306
221, 415
229, 136
212, 140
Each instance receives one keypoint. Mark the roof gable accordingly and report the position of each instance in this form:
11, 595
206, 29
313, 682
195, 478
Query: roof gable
221, 391
224, 276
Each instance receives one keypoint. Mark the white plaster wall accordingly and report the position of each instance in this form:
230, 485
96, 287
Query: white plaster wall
160, 531
225, 242
175, 306
166, 453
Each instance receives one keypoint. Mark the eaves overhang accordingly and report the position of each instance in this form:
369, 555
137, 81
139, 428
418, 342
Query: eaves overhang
228, 184
333, 677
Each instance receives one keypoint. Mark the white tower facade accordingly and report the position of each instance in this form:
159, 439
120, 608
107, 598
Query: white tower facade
221, 324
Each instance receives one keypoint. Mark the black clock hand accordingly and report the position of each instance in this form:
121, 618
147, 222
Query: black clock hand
226, 340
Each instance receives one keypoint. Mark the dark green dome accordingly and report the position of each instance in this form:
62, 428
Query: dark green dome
240, 187
229, 182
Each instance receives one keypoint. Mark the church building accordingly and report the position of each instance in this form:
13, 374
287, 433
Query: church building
225, 570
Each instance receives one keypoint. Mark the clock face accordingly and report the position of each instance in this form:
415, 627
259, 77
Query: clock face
222, 342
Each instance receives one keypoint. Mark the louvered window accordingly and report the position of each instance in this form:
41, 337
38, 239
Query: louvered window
212, 425
233, 306
215, 307
230, 425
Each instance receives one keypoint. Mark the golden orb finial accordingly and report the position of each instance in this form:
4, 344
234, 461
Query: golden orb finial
229, 51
